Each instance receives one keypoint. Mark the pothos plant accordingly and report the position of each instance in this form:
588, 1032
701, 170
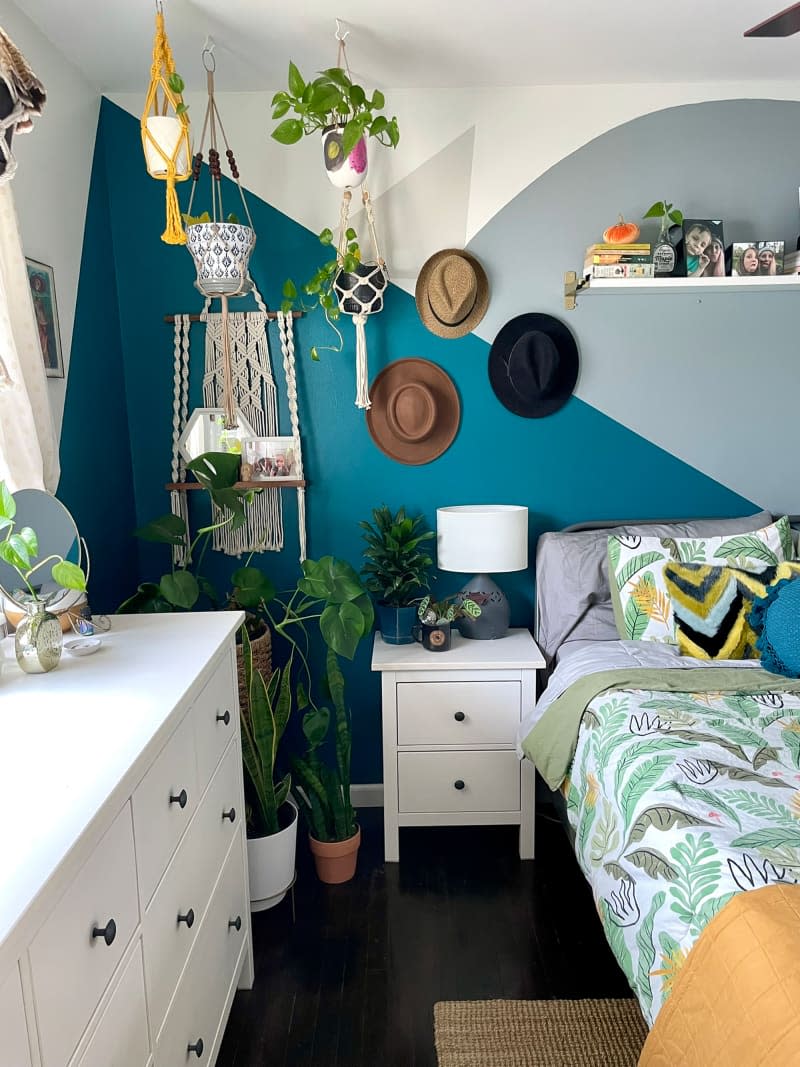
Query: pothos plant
318, 291
668, 213
332, 97
19, 548
177, 85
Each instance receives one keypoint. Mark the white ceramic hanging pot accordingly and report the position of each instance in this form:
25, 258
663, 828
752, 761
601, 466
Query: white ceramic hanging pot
344, 173
221, 251
166, 131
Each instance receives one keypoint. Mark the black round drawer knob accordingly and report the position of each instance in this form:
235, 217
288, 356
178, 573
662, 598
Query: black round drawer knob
236, 923
230, 814
181, 799
188, 918
459, 716
196, 1048
458, 784
107, 932
226, 717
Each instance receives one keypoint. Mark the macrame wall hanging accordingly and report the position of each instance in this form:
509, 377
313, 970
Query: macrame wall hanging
22, 97
165, 129
238, 375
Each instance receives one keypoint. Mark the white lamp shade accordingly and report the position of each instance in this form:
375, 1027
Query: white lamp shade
482, 538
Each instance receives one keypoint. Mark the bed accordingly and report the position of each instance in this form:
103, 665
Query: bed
681, 777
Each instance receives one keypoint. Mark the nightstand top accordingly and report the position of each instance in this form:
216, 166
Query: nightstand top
517, 650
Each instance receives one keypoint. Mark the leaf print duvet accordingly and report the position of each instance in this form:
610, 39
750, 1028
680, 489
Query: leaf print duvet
678, 802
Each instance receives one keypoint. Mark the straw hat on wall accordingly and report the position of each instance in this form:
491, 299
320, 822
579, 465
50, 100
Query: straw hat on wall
452, 293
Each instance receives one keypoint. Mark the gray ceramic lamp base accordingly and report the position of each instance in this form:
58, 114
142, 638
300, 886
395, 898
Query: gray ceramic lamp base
495, 615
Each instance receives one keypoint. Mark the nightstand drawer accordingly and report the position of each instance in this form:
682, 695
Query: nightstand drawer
458, 781
457, 713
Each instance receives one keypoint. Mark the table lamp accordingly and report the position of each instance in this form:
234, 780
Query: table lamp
483, 538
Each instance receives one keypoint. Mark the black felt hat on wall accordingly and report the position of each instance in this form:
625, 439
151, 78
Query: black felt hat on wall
533, 365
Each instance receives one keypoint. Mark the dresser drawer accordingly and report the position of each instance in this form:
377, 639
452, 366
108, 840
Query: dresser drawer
186, 887
14, 1051
457, 713
120, 1039
70, 966
216, 718
163, 804
426, 781
196, 1012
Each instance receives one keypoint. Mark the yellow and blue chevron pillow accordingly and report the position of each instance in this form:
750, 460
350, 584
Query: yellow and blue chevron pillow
711, 606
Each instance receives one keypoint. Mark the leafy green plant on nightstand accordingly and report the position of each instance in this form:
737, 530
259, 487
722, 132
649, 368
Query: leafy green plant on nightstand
396, 570
448, 609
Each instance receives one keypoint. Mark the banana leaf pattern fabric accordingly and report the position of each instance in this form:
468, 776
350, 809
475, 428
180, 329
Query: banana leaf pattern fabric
679, 801
642, 607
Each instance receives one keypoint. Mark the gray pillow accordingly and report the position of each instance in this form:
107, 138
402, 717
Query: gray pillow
573, 598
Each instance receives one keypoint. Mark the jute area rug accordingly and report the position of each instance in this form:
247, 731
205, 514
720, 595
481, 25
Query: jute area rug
538, 1033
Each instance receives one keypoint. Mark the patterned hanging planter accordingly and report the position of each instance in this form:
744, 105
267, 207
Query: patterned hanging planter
344, 171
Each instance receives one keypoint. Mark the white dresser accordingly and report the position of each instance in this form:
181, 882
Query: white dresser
449, 731
124, 912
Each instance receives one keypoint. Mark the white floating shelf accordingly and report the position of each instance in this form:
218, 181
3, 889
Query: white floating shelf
603, 286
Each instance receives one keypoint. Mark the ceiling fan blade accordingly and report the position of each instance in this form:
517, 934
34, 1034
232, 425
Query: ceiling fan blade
784, 24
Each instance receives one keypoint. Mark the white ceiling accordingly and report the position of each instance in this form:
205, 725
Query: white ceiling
425, 43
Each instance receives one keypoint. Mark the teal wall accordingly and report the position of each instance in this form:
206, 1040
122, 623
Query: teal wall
575, 465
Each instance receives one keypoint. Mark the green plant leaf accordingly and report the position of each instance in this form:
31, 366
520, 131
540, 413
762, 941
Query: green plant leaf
15, 552
325, 99
169, 529
176, 82
289, 289
69, 575
8, 506
378, 126
280, 109
351, 136
180, 589
296, 83
314, 353
181, 109
216, 470
350, 234
338, 77
251, 586
31, 541
233, 218
146, 600
676, 217
357, 96
656, 211
288, 132
341, 627
315, 725
378, 100
326, 237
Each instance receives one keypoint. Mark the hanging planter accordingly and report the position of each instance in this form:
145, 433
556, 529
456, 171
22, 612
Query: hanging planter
343, 171
221, 253
165, 129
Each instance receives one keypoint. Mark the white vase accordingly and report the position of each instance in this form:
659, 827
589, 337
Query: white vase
166, 131
344, 173
271, 863
221, 251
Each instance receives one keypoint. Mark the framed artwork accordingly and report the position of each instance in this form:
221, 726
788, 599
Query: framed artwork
43, 291
704, 248
758, 259
264, 458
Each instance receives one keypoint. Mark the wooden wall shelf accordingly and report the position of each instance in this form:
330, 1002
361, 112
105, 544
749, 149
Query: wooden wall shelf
271, 483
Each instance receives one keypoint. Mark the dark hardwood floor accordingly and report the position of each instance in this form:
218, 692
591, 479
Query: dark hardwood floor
352, 982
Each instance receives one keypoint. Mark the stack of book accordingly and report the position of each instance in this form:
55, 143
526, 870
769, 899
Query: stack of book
618, 261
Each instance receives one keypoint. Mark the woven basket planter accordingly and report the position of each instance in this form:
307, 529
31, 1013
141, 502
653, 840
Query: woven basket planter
262, 661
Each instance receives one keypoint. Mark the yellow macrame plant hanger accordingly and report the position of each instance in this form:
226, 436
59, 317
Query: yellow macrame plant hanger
164, 66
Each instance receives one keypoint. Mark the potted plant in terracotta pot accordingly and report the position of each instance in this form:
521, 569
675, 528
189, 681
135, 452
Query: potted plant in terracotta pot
396, 571
342, 112
323, 789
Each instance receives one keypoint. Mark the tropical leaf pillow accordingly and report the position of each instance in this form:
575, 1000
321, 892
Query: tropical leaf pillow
712, 607
642, 608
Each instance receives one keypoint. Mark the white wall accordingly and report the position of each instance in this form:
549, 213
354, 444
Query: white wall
51, 186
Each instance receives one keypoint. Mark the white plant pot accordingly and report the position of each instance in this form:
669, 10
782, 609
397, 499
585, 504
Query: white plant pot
344, 173
221, 251
271, 863
166, 131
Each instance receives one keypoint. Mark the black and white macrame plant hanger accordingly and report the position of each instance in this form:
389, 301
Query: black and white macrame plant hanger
360, 292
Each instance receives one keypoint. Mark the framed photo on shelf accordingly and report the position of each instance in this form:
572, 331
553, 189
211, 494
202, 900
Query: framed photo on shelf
758, 259
43, 292
703, 248
264, 458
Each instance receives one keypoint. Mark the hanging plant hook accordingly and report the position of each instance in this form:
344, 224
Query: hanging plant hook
207, 55
341, 35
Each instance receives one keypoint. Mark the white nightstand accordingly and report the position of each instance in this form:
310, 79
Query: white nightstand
449, 728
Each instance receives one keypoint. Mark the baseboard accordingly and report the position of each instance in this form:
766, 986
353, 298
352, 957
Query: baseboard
367, 796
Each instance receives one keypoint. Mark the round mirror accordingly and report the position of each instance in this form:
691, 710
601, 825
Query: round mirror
57, 535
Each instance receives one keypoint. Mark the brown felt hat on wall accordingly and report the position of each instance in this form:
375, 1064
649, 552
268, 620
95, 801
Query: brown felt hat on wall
452, 293
415, 411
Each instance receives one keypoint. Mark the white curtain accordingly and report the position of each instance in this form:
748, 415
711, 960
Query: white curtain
28, 445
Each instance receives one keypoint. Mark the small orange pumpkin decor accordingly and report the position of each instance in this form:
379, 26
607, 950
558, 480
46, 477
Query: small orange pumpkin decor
621, 233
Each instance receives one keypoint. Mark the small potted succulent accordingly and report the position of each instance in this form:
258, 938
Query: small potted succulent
396, 569
341, 111
436, 617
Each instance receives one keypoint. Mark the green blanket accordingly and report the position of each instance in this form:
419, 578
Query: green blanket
551, 742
